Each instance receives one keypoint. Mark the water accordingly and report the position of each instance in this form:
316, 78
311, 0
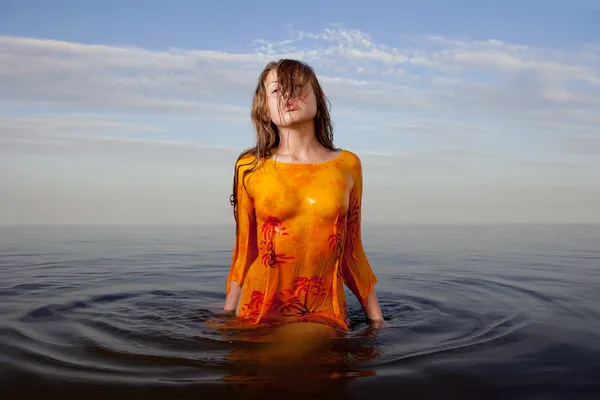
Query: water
471, 312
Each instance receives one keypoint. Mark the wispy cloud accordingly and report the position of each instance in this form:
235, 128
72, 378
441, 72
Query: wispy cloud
421, 86
101, 136
430, 114
432, 72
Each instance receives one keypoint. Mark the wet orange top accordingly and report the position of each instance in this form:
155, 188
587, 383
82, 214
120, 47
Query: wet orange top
299, 240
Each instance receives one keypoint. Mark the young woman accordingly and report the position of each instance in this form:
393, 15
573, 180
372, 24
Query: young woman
297, 206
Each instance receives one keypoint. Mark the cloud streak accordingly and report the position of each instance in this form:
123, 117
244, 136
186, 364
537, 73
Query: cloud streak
482, 85
430, 115
491, 76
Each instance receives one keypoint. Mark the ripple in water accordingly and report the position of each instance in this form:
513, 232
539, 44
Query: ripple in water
453, 331
160, 336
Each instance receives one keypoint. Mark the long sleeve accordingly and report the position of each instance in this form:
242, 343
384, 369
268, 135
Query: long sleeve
245, 249
356, 270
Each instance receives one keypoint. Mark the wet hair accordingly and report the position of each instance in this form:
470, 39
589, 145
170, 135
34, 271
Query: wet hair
292, 77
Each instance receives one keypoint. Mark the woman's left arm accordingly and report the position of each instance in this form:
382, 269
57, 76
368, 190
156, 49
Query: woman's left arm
372, 307
356, 269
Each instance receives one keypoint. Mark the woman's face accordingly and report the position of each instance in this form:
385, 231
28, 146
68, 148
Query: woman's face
297, 110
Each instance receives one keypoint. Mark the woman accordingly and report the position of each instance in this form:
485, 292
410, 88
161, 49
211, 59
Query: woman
297, 206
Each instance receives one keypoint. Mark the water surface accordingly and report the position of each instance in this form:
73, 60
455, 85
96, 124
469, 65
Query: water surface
471, 312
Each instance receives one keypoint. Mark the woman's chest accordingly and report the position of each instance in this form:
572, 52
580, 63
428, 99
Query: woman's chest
282, 193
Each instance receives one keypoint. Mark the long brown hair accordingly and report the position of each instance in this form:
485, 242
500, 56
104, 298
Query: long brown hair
292, 76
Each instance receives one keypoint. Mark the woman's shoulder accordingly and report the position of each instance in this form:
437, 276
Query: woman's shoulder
352, 159
245, 159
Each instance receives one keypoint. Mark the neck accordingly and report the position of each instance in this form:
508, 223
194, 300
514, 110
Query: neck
298, 140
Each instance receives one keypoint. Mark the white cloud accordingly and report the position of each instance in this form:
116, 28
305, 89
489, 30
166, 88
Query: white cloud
99, 136
458, 81
189, 81
437, 120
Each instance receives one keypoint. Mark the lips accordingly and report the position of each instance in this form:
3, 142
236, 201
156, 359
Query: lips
290, 106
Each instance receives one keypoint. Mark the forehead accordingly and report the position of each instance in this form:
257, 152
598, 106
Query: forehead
271, 78
299, 77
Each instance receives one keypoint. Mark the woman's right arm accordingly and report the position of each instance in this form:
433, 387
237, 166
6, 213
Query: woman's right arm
245, 249
233, 297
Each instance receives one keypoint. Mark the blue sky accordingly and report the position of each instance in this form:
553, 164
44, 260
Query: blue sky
462, 111
228, 24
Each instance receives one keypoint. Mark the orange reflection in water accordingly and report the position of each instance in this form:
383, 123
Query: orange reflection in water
306, 356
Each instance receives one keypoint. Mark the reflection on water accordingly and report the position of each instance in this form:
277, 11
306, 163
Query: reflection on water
506, 312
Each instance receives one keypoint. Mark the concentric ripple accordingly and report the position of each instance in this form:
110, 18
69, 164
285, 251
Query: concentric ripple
163, 334
518, 320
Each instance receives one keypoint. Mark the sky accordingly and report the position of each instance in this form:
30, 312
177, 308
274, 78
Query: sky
461, 111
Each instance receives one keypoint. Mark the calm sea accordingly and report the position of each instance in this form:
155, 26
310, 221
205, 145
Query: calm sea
471, 312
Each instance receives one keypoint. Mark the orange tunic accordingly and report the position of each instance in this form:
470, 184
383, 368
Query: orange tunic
299, 240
